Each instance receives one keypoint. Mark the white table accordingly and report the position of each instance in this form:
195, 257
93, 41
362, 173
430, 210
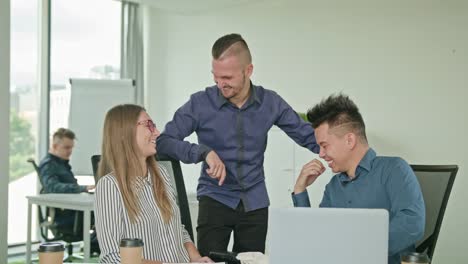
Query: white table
80, 202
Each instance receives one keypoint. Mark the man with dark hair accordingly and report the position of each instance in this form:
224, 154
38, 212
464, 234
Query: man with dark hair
363, 180
57, 177
231, 120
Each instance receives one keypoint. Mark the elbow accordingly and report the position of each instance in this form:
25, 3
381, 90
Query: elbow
161, 139
420, 225
161, 143
49, 189
417, 229
420, 230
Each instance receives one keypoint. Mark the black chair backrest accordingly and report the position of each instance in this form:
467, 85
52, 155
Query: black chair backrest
175, 171
43, 213
95, 163
36, 168
436, 183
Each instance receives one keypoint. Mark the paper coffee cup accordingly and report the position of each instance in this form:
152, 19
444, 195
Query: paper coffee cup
51, 253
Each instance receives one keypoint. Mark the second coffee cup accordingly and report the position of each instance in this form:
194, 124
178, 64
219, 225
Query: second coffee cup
131, 251
415, 258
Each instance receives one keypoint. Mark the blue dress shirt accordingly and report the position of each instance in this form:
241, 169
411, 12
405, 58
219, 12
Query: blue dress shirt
238, 136
380, 182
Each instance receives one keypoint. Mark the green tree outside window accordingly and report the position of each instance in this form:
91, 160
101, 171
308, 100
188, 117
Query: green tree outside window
21, 146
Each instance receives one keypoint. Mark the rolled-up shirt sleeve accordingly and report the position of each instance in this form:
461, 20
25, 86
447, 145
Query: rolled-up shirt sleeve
185, 235
301, 199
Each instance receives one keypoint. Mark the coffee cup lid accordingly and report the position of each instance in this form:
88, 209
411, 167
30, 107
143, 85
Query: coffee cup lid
51, 247
415, 257
131, 242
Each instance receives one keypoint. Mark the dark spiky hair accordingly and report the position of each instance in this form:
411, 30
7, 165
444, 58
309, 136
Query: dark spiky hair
338, 110
222, 44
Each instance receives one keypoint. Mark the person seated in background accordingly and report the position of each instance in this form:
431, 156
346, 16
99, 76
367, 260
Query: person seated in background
363, 179
57, 177
55, 169
134, 196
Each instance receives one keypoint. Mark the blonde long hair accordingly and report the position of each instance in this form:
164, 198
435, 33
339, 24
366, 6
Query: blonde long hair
120, 156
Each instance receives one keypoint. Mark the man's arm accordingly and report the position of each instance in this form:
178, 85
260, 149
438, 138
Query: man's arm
171, 141
407, 213
52, 184
296, 128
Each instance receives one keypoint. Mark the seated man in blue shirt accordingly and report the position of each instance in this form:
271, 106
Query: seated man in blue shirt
363, 179
57, 176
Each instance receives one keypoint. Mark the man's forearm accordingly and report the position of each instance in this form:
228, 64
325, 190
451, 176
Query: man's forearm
182, 150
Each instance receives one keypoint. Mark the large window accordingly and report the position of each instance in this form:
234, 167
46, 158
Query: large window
85, 43
23, 114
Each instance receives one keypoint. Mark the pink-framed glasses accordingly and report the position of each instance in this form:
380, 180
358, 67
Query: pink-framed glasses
149, 124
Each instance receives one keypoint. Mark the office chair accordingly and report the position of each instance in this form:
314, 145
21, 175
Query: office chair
175, 171
436, 183
46, 223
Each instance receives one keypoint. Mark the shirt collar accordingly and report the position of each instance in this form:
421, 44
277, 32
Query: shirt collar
57, 158
366, 161
141, 181
364, 164
149, 178
145, 179
254, 97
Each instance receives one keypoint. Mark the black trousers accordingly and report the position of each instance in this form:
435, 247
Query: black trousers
216, 221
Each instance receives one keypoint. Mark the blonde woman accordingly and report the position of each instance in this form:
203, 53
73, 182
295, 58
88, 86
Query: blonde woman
134, 197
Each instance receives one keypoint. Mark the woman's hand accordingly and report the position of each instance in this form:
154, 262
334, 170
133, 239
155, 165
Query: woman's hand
145, 261
202, 260
194, 255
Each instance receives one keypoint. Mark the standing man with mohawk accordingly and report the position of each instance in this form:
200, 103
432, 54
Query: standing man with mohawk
232, 120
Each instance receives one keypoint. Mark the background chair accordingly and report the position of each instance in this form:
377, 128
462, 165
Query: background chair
48, 227
175, 171
436, 183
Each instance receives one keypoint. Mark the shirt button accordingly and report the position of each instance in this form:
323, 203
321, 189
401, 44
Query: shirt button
349, 202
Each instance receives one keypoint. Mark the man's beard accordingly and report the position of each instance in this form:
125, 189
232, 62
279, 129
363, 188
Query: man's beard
243, 83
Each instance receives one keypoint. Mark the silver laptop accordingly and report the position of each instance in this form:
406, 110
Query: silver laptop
328, 235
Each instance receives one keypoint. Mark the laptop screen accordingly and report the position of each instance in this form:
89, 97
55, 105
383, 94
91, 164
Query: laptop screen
328, 235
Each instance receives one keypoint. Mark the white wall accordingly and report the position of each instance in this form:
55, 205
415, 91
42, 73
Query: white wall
405, 63
4, 123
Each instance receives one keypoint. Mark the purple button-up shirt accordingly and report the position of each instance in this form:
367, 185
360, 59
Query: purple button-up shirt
238, 136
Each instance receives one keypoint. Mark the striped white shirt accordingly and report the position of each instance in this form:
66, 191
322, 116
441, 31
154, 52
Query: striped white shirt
162, 242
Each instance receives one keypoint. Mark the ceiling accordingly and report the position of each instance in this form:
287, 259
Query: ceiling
191, 6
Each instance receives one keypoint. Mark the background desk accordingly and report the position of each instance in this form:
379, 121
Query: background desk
80, 202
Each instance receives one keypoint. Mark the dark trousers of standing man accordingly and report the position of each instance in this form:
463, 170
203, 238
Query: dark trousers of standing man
216, 221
